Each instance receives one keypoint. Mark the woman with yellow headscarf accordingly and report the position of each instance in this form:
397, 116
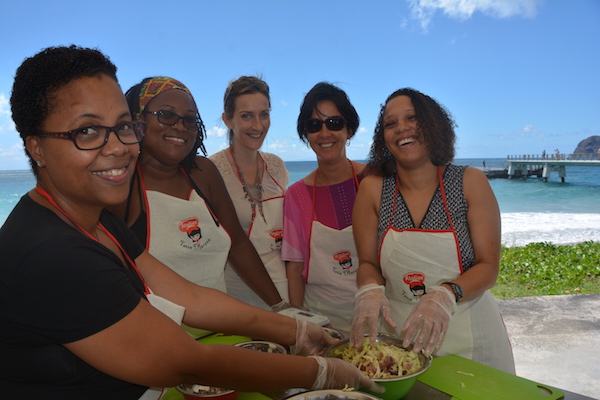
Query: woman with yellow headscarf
179, 206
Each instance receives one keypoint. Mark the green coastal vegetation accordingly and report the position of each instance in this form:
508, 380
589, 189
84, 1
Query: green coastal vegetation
541, 269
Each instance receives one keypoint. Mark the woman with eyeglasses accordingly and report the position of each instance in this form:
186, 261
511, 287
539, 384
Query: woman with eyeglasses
85, 311
428, 239
256, 182
175, 191
318, 246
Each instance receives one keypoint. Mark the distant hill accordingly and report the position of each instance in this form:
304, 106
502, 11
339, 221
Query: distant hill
588, 146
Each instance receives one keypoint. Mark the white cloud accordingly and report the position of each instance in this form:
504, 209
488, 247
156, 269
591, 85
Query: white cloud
15, 151
215, 131
362, 130
4, 107
8, 132
6, 123
284, 103
528, 130
422, 11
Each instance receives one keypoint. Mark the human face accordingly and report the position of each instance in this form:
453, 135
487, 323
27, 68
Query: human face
328, 145
400, 129
168, 144
79, 179
251, 120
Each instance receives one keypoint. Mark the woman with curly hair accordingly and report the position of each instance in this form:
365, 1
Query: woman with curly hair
428, 239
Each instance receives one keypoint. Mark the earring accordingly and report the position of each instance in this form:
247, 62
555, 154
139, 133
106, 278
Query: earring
347, 142
39, 164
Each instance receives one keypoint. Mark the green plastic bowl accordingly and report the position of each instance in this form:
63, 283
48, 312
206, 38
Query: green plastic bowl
395, 387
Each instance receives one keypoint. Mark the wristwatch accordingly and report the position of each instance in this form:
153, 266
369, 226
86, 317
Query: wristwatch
456, 289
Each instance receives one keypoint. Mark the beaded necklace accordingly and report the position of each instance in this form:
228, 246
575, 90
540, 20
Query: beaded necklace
253, 193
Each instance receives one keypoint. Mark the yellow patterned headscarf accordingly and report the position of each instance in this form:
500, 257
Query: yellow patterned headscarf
156, 86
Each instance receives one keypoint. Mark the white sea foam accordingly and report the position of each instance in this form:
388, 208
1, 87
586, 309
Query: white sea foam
519, 229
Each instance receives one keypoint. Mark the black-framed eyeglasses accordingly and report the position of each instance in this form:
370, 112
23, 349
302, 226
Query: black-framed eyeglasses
314, 125
96, 136
170, 118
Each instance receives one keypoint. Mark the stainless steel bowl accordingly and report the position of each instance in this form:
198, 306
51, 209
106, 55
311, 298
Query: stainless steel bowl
264, 346
332, 395
334, 333
207, 392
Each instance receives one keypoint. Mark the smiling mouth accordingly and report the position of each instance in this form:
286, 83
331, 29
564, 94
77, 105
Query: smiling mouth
111, 172
405, 141
326, 145
175, 139
254, 135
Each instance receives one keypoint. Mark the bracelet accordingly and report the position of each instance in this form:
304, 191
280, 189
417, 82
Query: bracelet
456, 289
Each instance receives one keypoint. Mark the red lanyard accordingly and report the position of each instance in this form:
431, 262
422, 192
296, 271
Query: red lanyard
53, 202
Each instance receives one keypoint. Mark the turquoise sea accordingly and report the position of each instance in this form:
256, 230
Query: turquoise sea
532, 210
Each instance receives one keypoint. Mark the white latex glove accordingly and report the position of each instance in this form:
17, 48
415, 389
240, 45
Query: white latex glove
282, 305
335, 373
369, 301
311, 339
428, 322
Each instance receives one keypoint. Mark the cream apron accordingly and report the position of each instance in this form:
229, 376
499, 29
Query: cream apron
331, 272
409, 266
183, 234
266, 236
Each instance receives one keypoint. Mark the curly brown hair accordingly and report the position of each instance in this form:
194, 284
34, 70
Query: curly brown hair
435, 125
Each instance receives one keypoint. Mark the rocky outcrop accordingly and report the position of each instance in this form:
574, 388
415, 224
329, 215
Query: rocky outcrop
588, 146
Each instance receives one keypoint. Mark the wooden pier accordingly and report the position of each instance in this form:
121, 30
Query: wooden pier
524, 166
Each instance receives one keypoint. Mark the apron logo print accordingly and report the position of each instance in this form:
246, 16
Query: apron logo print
345, 263
277, 234
416, 283
191, 229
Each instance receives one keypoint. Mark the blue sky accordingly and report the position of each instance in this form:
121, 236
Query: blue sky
519, 76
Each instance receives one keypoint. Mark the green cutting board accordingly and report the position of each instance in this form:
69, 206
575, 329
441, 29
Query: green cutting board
174, 394
468, 380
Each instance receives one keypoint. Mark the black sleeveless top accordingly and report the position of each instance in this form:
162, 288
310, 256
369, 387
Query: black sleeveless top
435, 217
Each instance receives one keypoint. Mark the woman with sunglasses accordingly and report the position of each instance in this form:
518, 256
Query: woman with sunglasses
318, 246
85, 311
175, 192
428, 239
256, 182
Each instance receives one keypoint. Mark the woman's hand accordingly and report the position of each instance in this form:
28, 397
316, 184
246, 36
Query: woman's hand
311, 339
335, 373
369, 302
429, 320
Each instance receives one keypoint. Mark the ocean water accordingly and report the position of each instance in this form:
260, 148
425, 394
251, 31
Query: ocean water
531, 210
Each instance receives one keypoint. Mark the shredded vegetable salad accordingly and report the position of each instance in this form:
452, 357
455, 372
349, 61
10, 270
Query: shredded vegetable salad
380, 359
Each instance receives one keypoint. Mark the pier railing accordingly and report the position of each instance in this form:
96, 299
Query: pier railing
559, 156
541, 165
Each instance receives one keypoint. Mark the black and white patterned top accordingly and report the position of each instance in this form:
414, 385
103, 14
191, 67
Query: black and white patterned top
435, 218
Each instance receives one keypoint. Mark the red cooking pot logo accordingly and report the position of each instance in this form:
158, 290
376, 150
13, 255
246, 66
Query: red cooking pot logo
191, 228
343, 257
277, 234
416, 283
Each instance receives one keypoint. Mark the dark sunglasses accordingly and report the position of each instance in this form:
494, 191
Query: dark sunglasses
314, 125
170, 118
